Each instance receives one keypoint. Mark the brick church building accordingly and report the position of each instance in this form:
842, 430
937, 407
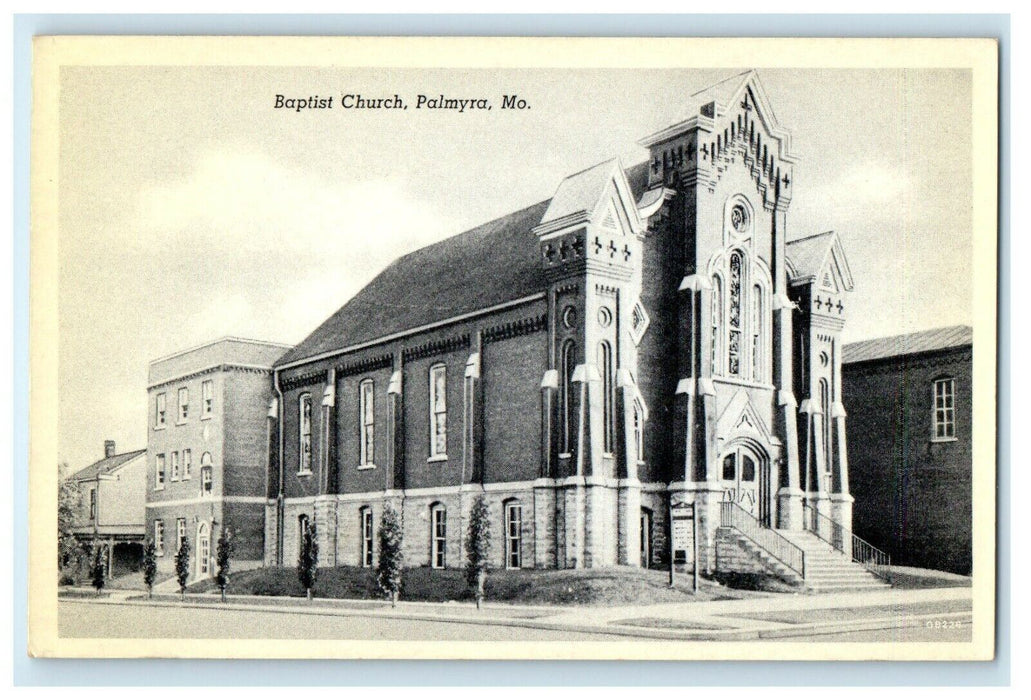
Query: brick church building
649, 335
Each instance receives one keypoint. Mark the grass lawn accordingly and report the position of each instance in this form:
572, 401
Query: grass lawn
912, 577
608, 586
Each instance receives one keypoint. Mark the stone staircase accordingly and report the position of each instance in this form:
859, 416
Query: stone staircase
828, 570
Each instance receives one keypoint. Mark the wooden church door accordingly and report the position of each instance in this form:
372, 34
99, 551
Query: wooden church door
745, 481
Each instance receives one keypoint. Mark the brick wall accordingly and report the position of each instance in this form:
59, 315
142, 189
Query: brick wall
912, 494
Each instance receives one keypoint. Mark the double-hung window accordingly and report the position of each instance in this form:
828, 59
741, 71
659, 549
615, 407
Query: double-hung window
160, 410
304, 425
159, 472
438, 411
93, 503
367, 420
207, 398
184, 405
175, 466
159, 538
187, 464
366, 522
513, 535
944, 409
180, 533
438, 537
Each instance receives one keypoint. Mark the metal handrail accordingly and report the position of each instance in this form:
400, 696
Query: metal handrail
860, 551
772, 542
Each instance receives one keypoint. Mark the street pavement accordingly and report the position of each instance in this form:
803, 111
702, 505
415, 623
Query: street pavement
941, 614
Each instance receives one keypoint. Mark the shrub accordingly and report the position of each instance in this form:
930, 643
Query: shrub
224, 554
98, 568
308, 560
477, 545
150, 567
182, 567
391, 557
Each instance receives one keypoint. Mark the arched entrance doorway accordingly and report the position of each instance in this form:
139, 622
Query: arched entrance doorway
745, 478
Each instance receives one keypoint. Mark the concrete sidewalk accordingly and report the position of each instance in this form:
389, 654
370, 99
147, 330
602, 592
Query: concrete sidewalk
754, 618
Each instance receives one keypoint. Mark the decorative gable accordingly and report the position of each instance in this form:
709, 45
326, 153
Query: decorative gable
740, 419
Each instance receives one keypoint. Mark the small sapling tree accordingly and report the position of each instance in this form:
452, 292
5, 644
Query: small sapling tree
222, 557
391, 558
150, 567
477, 546
182, 567
308, 561
98, 567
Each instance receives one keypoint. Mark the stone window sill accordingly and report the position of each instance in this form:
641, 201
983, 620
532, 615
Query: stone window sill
945, 439
364, 467
437, 458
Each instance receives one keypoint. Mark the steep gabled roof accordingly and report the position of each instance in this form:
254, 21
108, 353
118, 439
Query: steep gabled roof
492, 264
105, 466
807, 257
908, 344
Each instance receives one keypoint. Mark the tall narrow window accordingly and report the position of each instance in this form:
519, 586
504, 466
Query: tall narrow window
756, 329
608, 397
187, 464
203, 549
717, 323
438, 411
365, 516
159, 472
825, 406
159, 538
206, 476
734, 315
438, 536
304, 431
207, 395
638, 432
184, 404
367, 420
93, 503
568, 365
513, 535
302, 529
175, 466
159, 411
180, 533
944, 408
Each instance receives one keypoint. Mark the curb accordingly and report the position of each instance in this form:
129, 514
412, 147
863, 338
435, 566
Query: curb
784, 630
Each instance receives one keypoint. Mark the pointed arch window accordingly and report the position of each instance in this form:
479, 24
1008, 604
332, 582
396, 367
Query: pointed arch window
717, 323
734, 315
739, 317
608, 397
825, 435
756, 329
568, 365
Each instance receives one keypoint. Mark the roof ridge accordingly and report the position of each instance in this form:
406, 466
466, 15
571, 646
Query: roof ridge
939, 329
808, 236
720, 82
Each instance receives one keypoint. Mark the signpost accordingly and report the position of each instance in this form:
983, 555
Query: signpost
683, 526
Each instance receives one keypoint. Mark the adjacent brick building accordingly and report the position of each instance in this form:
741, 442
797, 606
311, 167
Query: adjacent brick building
909, 406
649, 335
110, 508
207, 452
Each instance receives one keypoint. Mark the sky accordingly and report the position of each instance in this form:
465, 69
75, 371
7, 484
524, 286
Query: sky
191, 209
